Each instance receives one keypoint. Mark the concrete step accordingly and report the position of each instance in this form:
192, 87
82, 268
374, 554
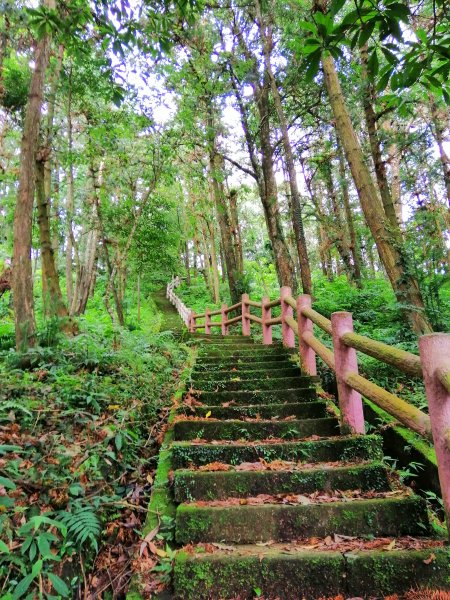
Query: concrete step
247, 524
275, 396
208, 429
272, 383
241, 374
242, 351
205, 362
290, 572
259, 365
339, 448
192, 485
304, 410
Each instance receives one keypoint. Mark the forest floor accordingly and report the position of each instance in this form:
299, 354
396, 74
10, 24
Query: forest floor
81, 422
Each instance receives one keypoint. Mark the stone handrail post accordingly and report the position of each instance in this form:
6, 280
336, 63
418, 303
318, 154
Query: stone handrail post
266, 316
223, 318
305, 326
286, 311
435, 354
346, 361
208, 321
245, 310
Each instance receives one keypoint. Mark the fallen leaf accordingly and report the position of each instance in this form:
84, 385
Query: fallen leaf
430, 559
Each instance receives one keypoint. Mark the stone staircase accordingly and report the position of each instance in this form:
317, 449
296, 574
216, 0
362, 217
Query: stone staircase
272, 502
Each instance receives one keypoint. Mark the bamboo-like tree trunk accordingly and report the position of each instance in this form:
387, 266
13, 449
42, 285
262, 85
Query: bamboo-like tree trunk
403, 283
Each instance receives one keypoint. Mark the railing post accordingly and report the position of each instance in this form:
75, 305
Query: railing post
307, 354
224, 317
286, 311
346, 361
245, 320
266, 315
208, 321
192, 322
435, 356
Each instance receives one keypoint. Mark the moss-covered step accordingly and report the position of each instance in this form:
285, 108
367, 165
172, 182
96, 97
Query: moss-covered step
231, 367
274, 383
247, 524
192, 485
346, 448
380, 574
208, 429
241, 352
274, 573
206, 361
258, 365
278, 572
208, 340
261, 375
304, 394
305, 410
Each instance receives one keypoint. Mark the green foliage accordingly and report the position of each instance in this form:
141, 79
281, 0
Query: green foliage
388, 24
16, 83
80, 415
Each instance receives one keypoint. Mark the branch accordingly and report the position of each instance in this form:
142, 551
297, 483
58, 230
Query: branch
244, 169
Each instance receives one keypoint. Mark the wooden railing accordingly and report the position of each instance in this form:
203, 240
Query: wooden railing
182, 309
433, 365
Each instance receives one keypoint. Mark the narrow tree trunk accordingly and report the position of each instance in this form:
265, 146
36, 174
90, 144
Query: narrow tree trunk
439, 132
305, 269
403, 283
214, 267
236, 230
51, 292
70, 199
22, 281
216, 172
375, 146
338, 225
354, 245
139, 298
187, 266
264, 171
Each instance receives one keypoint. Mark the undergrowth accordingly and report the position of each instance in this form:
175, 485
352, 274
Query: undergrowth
79, 425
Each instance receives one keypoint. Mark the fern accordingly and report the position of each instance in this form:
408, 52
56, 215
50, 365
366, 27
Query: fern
83, 526
5, 407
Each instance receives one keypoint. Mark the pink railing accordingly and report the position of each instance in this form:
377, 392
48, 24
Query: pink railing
433, 365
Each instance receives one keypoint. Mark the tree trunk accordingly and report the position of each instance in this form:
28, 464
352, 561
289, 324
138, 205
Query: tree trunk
22, 281
139, 298
186, 263
214, 267
338, 225
403, 283
375, 146
439, 119
51, 292
70, 239
354, 245
236, 230
216, 172
263, 171
305, 269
